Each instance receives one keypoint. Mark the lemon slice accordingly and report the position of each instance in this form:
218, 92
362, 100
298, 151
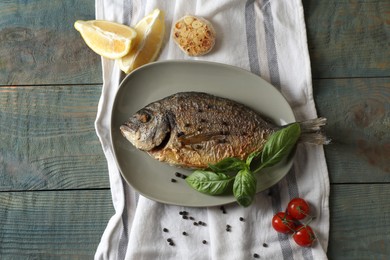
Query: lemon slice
108, 39
150, 33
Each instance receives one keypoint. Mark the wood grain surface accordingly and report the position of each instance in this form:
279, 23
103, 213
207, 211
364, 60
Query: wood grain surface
48, 139
358, 112
51, 224
359, 223
348, 38
39, 45
54, 190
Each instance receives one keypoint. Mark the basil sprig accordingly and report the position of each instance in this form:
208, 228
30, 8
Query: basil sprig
244, 187
233, 174
279, 145
211, 183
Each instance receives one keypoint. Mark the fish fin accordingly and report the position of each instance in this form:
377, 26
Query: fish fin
189, 139
314, 138
311, 131
312, 125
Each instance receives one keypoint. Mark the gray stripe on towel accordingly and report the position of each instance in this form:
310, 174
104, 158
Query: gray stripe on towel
292, 184
275, 80
273, 65
250, 26
293, 192
270, 44
283, 238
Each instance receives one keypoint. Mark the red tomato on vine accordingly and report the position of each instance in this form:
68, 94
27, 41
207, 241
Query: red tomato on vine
304, 236
298, 208
284, 223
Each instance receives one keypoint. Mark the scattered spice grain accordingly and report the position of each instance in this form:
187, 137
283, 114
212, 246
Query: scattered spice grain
228, 228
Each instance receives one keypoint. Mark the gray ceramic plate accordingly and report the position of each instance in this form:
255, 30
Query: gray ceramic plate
154, 81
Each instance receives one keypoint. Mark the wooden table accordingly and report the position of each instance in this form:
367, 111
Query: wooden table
55, 199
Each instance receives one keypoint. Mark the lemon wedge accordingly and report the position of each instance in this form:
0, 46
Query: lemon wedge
150, 34
108, 39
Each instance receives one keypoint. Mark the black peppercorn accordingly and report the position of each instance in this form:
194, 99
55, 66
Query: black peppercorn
165, 229
184, 233
204, 242
173, 180
256, 255
228, 228
265, 245
242, 219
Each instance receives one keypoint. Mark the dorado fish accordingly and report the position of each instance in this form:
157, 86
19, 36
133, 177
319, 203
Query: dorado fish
193, 130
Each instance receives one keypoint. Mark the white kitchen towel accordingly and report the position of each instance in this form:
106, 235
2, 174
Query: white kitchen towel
267, 38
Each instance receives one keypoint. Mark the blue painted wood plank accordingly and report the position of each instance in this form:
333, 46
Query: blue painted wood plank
359, 222
358, 112
48, 139
348, 38
53, 224
38, 44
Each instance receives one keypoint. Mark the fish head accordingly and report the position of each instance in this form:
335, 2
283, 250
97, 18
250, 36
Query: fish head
147, 129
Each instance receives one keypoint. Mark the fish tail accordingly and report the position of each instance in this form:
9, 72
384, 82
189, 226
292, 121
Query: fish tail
311, 131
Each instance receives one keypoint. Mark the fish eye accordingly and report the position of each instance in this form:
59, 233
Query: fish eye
143, 117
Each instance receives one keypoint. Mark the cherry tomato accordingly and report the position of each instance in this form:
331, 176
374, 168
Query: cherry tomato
298, 208
284, 223
304, 236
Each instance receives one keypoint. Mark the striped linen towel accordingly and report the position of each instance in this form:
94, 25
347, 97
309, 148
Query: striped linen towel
267, 38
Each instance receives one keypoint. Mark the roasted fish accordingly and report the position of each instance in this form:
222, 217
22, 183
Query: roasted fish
193, 129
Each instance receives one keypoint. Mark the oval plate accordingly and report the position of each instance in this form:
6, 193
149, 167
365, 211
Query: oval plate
155, 81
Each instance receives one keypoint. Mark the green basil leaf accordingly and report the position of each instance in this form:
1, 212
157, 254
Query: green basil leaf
244, 187
209, 182
280, 145
229, 164
251, 157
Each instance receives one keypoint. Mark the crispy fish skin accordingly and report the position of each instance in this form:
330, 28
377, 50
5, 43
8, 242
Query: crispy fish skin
192, 129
